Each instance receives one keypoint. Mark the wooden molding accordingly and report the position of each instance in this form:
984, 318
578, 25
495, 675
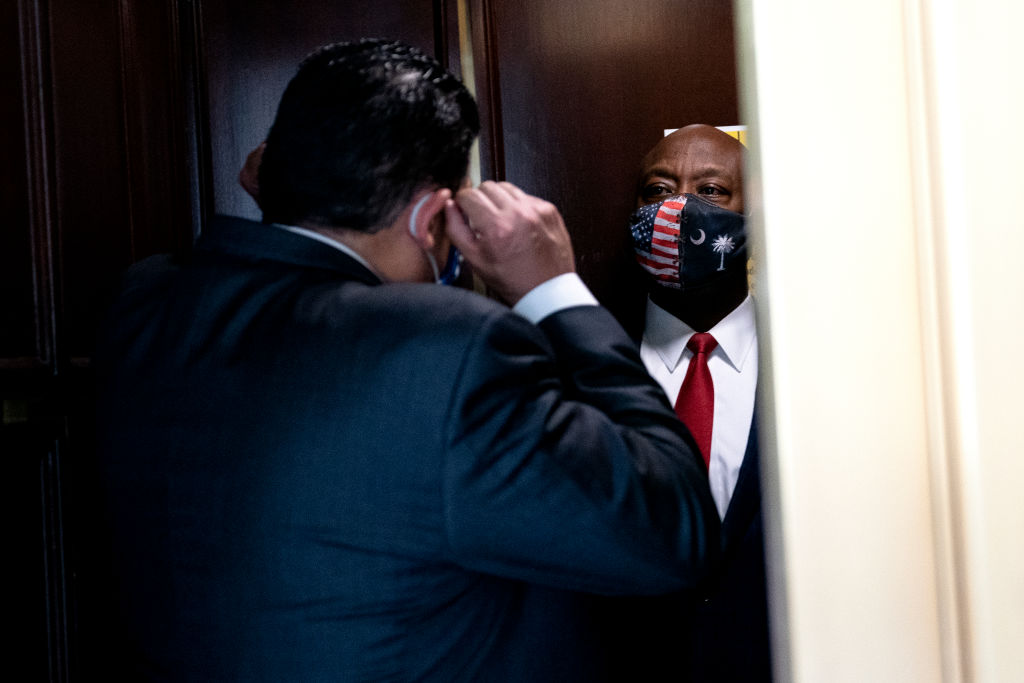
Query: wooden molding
488, 90
42, 209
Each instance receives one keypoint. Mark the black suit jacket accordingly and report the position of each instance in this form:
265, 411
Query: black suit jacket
312, 475
717, 633
729, 633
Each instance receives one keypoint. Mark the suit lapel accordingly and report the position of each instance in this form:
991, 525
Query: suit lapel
746, 498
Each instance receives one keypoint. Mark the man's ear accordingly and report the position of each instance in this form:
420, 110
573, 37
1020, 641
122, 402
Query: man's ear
427, 217
249, 176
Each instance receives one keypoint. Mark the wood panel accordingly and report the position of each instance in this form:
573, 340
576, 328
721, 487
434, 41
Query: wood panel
17, 338
577, 93
97, 176
119, 151
92, 226
25, 318
32, 554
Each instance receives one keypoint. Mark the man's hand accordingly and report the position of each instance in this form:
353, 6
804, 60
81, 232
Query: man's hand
249, 176
513, 241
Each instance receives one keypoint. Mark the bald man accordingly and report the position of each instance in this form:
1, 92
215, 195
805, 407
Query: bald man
705, 162
689, 237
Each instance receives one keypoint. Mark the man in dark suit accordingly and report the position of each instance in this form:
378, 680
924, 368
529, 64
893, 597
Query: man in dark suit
320, 465
689, 238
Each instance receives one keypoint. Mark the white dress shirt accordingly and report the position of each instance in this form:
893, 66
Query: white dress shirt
733, 366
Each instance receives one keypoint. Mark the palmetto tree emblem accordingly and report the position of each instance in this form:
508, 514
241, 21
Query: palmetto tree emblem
723, 244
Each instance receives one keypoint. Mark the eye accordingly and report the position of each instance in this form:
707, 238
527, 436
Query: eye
655, 191
713, 192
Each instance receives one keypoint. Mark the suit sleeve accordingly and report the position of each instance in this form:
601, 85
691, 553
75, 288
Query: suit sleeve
565, 465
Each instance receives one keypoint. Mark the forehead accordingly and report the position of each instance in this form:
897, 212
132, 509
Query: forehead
688, 152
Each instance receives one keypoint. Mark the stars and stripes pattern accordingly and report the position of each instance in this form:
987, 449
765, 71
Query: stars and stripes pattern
656, 239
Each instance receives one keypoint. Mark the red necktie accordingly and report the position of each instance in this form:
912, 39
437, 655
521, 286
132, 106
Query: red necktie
695, 405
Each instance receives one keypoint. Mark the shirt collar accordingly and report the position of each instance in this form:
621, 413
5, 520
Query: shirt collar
667, 335
320, 237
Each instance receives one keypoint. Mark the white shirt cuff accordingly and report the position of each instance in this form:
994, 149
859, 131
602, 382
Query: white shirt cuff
560, 292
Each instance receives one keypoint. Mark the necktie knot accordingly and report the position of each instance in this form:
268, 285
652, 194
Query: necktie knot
702, 342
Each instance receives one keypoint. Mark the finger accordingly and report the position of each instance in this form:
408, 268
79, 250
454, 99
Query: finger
513, 190
461, 235
477, 208
475, 201
497, 193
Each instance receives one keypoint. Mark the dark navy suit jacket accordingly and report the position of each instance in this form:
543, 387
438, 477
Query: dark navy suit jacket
312, 475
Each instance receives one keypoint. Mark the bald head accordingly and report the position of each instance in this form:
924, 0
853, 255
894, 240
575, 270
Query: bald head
697, 159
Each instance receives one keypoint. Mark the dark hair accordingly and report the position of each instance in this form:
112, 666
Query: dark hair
360, 129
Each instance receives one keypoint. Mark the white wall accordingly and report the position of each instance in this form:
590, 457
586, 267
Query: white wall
886, 168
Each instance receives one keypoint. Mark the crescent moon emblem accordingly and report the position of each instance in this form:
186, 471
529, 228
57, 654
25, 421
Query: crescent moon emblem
700, 240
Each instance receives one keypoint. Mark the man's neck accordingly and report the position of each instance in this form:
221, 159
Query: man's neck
388, 251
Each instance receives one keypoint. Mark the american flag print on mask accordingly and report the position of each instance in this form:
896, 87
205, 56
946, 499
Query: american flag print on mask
656, 239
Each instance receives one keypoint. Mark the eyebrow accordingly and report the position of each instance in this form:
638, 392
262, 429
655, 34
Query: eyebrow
705, 172
659, 170
708, 171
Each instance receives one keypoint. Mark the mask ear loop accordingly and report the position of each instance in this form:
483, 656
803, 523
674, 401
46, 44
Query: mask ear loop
454, 265
412, 231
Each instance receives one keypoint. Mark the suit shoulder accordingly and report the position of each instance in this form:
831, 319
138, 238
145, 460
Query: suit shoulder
437, 305
151, 269
142, 281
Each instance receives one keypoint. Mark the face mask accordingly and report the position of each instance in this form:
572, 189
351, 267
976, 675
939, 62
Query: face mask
686, 242
454, 265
